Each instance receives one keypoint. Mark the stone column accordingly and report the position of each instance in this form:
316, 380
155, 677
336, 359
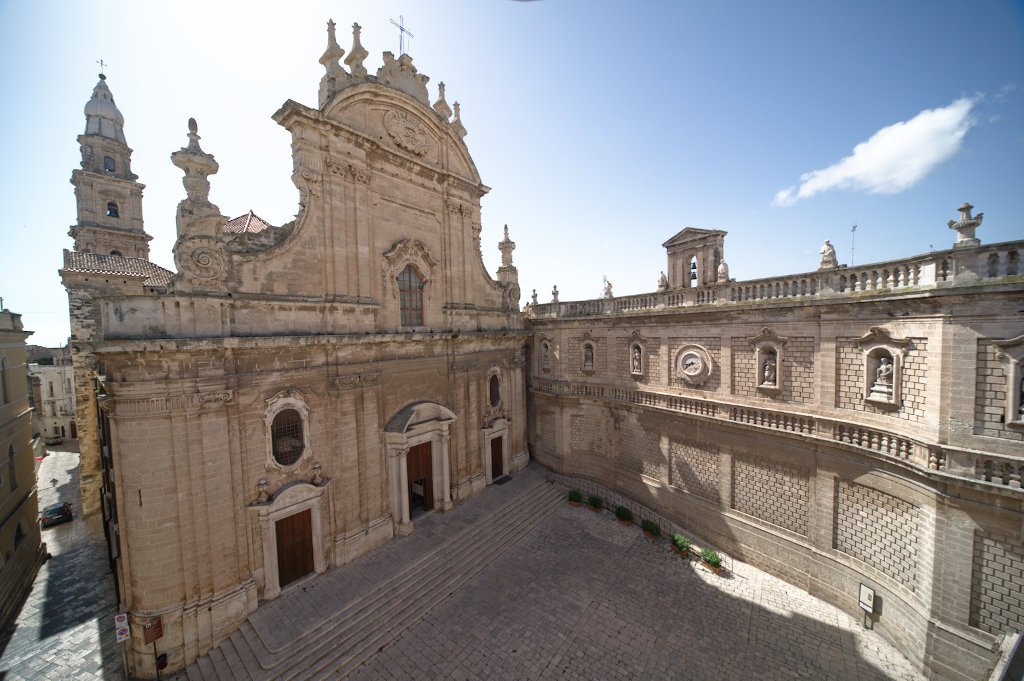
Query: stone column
400, 490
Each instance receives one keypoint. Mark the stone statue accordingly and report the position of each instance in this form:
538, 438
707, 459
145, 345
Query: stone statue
588, 358
768, 372
828, 256
1020, 396
637, 365
883, 379
533, 300
662, 282
554, 294
608, 289
545, 357
318, 473
723, 272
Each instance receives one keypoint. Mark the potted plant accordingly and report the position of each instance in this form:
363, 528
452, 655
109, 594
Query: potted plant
575, 497
711, 560
595, 503
624, 515
651, 528
681, 545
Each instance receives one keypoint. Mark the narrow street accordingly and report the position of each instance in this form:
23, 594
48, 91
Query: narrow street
65, 629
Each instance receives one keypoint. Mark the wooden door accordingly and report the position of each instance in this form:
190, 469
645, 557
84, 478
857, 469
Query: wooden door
420, 470
294, 547
74, 430
497, 466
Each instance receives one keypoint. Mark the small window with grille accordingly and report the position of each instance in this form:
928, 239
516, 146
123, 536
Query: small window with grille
286, 437
410, 293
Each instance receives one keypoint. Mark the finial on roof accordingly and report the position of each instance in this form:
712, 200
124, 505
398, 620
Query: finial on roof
333, 54
355, 58
198, 166
102, 77
506, 246
457, 125
441, 106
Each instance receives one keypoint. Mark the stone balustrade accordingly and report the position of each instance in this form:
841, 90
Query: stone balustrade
1002, 471
937, 269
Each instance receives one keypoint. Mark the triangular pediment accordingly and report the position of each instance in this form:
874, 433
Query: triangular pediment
692, 235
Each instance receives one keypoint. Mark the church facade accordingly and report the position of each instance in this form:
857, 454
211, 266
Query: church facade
842, 428
293, 396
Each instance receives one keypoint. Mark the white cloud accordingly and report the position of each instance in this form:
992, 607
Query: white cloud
893, 159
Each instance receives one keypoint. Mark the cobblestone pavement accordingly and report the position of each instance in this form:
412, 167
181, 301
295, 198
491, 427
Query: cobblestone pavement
65, 629
584, 597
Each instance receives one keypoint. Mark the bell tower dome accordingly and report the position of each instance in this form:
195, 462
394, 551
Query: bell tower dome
109, 197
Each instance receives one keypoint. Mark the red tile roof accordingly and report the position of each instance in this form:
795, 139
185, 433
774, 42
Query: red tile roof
116, 265
249, 223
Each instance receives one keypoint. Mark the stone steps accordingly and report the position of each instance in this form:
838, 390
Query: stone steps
338, 645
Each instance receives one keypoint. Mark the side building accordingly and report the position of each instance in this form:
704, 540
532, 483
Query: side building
845, 426
291, 397
54, 398
21, 549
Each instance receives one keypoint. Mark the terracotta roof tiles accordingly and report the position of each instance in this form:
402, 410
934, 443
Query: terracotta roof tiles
116, 265
250, 223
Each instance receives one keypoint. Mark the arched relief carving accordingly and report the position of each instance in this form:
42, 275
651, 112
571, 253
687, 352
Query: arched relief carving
1011, 352
768, 361
884, 357
407, 252
408, 132
694, 365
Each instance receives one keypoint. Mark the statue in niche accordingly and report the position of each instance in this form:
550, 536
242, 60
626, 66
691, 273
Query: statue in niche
883, 379
662, 282
637, 360
828, 256
588, 357
768, 370
1020, 395
545, 357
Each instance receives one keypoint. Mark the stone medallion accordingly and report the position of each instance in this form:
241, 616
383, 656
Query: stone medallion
407, 132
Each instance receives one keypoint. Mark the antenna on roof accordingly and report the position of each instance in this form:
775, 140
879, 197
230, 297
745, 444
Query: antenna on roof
853, 241
402, 32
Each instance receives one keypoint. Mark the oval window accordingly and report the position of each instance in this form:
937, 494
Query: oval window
286, 437
495, 389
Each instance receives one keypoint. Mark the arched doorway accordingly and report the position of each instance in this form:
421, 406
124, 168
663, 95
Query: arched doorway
417, 440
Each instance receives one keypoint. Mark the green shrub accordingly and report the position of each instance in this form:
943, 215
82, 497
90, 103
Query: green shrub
595, 501
575, 495
711, 557
623, 513
651, 527
681, 542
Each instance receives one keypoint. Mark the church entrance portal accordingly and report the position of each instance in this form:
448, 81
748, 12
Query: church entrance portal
294, 547
419, 466
497, 458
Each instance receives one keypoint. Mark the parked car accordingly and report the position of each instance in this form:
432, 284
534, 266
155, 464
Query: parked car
56, 514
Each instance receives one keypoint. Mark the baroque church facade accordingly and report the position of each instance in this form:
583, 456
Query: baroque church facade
292, 397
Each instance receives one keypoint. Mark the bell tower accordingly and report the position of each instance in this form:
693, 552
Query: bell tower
109, 197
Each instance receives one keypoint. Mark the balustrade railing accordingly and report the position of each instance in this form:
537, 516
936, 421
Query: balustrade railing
941, 268
999, 470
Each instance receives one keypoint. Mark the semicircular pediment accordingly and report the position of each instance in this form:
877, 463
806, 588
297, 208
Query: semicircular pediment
416, 413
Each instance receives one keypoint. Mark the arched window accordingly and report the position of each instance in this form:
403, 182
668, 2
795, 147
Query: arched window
3, 380
286, 437
693, 268
112, 209
109, 165
410, 293
495, 390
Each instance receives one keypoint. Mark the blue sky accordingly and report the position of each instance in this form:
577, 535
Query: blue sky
602, 128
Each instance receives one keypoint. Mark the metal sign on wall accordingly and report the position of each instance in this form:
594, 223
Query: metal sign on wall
152, 630
121, 627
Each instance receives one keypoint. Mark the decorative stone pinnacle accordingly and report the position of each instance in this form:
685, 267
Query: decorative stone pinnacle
441, 106
198, 166
333, 53
457, 126
358, 53
965, 226
506, 246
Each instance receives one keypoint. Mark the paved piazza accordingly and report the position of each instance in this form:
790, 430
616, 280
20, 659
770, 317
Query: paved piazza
584, 597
